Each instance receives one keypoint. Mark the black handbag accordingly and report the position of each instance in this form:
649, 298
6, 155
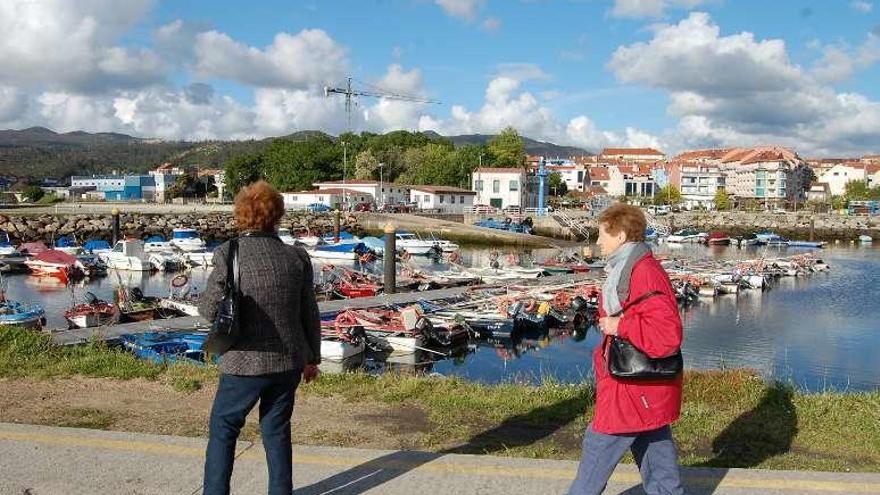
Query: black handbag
225, 329
627, 361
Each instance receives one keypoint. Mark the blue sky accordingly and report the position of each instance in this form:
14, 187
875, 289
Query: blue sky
674, 74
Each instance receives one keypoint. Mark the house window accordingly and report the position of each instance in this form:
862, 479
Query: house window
478, 185
425, 198
452, 199
293, 198
496, 186
461, 199
514, 185
321, 199
441, 199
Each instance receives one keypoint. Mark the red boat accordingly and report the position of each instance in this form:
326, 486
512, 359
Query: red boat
57, 264
717, 238
92, 313
353, 290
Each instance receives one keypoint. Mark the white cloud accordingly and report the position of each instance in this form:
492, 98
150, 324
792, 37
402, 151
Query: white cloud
521, 71
462, 9
650, 8
862, 6
735, 90
64, 45
309, 58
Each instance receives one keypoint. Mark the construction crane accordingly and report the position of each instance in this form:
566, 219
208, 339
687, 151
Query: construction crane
348, 91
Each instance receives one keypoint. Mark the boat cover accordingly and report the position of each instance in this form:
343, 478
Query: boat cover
55, 256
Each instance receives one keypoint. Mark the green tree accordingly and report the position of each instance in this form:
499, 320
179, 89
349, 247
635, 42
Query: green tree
668, 195
430, 164
294, 165
464, 161
858, 190
507, 149
183, 186
558, 187
366, 166
32, 193
242, 170
722, 200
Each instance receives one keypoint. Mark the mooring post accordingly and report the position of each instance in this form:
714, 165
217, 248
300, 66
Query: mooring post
336, 222
671, 223
115, 223
812, 227
390, 259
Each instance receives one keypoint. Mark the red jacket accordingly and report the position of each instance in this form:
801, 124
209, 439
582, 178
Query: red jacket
654, 326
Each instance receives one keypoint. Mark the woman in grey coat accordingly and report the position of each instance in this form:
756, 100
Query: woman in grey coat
280, 341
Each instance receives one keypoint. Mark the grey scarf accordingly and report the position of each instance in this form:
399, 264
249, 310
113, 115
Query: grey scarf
619, 269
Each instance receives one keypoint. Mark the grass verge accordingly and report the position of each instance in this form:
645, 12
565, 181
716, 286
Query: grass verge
729, 418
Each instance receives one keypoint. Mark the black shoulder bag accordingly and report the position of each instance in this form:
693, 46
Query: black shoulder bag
225, 329
627, 361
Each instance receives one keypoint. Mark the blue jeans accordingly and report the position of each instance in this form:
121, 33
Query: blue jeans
653, 450
236, 396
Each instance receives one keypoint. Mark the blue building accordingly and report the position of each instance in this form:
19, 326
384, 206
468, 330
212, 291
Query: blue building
118, 187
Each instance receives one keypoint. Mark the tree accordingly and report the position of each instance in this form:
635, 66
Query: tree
366, 166
722, 200
33, 193
507, 149
430, 164
668, 195
464, 161
183, 186
858, 190
241, 171
558, 187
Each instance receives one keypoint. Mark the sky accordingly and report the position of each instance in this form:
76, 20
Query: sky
668, 74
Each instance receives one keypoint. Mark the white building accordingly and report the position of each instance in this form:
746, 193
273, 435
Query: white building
697, 181
837, 176
443, 199
97, 182
766, 174
165, 176
574, 175
299, 200
380, 192
503, 187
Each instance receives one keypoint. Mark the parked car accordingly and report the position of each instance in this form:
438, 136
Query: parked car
365, 206
396, 208
318, 208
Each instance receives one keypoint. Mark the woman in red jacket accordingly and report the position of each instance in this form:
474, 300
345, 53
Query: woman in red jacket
633, 414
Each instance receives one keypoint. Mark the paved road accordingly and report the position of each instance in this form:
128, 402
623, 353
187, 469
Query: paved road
37, 460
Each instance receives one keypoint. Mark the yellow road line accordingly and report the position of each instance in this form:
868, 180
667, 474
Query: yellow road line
439, 465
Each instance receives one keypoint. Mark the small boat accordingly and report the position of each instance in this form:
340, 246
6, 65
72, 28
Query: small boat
23, 315
180, 297
686, 236
412, 244
157, 243
806, 244
167, 347
187, 240
166, 261
508, 225
129, 254
717, 238
347, 251
57, 264
134, 306
9, 256
446, 246
489, 274
865, 239
338, 346
774, 240
68, 244
91, 313
203, 259
766, 235
33, 248
749, 240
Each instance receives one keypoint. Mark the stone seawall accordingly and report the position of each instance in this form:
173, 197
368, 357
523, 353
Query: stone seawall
801, 225
211, 226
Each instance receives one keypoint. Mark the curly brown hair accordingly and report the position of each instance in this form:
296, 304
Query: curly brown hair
627, 218
258, 207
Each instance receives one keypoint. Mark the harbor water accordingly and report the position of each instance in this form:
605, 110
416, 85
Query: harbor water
817, 332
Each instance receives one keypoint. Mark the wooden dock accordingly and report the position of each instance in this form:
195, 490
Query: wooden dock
109, 333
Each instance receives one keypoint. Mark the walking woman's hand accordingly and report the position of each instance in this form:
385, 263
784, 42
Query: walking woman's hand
608, 324
310, 372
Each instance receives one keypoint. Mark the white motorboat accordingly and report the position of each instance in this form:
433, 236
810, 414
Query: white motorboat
336, 349
182, 306
199, 258
866, 239
286, 238
687, 236
157, 243
187, 240
490, 275
128, 254
68, 244
414, 245
344, 251
446, 245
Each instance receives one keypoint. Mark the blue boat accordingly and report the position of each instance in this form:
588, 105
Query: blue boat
348, 251
343, 237
507, 225
18, 314
167, 347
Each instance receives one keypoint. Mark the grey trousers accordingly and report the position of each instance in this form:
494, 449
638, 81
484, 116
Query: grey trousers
653, 450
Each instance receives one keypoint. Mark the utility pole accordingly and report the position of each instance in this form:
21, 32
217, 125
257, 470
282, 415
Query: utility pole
381, 186
344, 167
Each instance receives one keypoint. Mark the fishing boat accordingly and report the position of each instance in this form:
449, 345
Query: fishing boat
135, 306
166, 261
342, 344
286, 237
56, 264
749, 240
33, 248
717, 238
774, 240
446, 245
806, 244
507, 225
412, 244
68, 244
93, 312
865, 239
187, 240
398, 330
203, 259
500, 274
688, 235
167, 347
14, 313
157, 243
129, 254
181, 297
345, 283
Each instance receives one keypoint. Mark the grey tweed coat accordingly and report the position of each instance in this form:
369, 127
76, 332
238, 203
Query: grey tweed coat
280, 322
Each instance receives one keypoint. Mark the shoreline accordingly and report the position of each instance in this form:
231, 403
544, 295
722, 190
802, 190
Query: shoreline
729, 418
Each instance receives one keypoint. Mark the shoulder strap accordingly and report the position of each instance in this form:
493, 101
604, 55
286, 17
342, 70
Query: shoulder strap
638, 300
232, 264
